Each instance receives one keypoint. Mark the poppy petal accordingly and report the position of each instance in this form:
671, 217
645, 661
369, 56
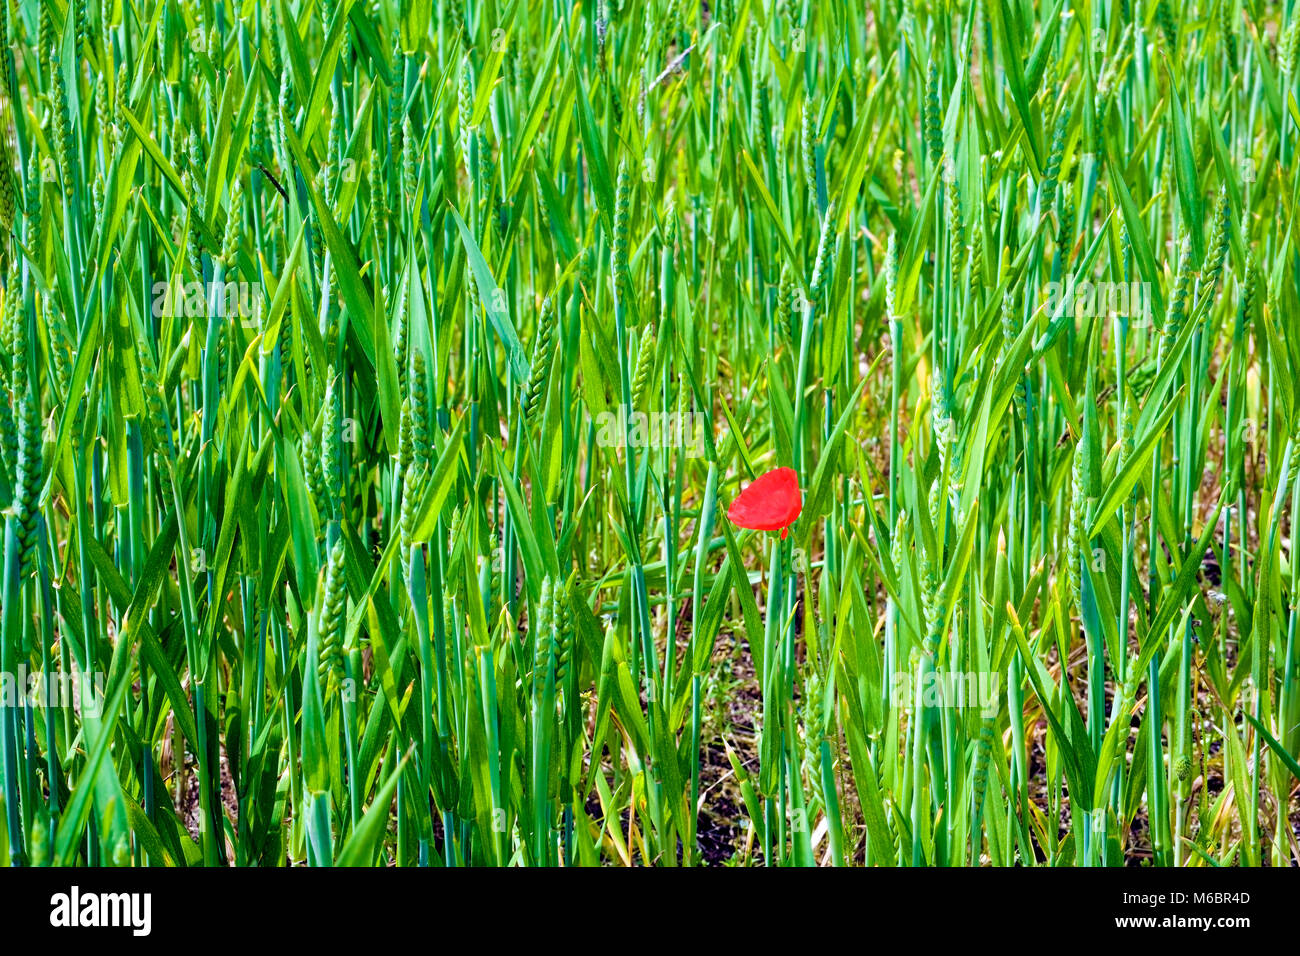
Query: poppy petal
770, 503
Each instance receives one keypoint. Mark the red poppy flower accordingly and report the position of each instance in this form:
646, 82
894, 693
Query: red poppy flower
771, 502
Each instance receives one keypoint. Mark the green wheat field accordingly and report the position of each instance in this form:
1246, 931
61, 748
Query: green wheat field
378, 380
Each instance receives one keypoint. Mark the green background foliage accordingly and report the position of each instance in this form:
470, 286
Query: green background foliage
313, 314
